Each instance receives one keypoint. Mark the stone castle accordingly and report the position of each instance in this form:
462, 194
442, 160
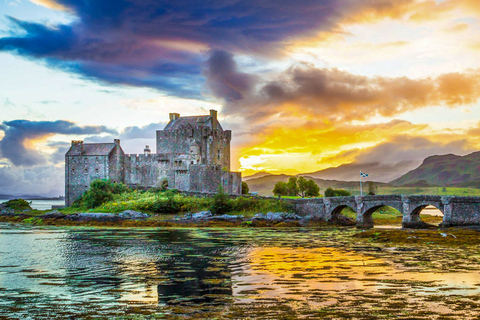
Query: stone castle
193, 154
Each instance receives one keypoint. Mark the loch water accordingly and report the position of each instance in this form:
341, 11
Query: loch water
230, 273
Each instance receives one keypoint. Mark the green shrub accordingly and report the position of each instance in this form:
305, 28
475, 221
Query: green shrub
18, 204
101, 191
221, 203
166, 206
329, 192
33, 220
245, 188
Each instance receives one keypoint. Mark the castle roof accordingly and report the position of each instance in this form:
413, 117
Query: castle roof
91, 149
194, 121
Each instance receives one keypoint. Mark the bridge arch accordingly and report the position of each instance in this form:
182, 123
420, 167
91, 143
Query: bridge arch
368, 213
414, 219
337, 211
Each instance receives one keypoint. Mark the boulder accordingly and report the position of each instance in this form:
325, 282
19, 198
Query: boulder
53, 215
201, 215
7, 212
260, 216
97, 216
133, 215
227, 217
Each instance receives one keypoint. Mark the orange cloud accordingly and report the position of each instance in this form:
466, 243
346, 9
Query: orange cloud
51, 4
306, 92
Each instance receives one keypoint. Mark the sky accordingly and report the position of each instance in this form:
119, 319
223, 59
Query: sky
303, 85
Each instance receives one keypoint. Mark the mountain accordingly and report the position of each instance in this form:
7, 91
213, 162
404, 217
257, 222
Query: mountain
376, 171
256, 175
264, 185
445, 170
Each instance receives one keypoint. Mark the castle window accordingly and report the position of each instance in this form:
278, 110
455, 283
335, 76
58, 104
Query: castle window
218, 154
191, 162
86, 170
96, 170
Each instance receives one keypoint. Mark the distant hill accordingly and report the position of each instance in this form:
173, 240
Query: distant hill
376, 171
445, 170
264, 185
257, 175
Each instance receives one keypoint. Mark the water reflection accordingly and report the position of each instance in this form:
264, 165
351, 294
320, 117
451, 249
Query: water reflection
83, 273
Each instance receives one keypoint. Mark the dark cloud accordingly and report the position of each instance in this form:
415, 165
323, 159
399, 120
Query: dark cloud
18, 133
336, 95
163, 44
224, 79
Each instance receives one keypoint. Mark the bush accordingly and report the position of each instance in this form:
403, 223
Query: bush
221, 203
167, 206
336, 193
18, 204
280, 189
245, 188
100, 191
33, 220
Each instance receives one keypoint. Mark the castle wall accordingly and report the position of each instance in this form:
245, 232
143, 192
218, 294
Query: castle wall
198, 145
115, 163
80, 171
147, 170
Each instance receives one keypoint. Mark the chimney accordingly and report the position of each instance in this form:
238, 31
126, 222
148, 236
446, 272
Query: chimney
77, 142
174, 116
146, 150
213, 114
117, 142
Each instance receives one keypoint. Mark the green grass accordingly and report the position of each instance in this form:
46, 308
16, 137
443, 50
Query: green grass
150, 201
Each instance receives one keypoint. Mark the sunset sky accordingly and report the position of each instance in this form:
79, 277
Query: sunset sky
303, 85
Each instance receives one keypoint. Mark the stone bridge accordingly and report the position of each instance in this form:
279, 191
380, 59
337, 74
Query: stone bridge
457, 211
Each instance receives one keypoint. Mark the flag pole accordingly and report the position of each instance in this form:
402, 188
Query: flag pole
361, 189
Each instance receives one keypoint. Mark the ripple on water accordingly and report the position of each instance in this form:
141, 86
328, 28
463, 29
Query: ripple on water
221, 273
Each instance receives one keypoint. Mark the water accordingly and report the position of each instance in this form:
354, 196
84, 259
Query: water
229, 273
43, 204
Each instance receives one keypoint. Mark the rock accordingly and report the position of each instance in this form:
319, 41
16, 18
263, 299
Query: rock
97, 216
201, 215
342, 220
7, 212
227, 217
53, 215
259, 216
133, 215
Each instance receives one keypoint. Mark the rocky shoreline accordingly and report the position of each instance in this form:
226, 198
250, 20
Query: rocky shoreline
202, 218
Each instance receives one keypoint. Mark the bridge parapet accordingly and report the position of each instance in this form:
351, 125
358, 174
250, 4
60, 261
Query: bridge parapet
457, 211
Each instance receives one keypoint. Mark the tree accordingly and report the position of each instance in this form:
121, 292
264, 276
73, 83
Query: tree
292, 187
245, 188
372, 188
280, 189
312, 189
302, 186
329, 192
164, 185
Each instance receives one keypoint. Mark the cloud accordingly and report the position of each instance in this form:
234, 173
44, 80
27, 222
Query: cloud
400, 148
164, 44
224, 79
336, 95
20, 133
44, 180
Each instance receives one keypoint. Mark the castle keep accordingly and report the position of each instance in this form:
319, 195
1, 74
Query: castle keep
193, 154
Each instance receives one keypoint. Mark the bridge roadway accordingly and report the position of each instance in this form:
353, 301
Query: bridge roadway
457, 211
